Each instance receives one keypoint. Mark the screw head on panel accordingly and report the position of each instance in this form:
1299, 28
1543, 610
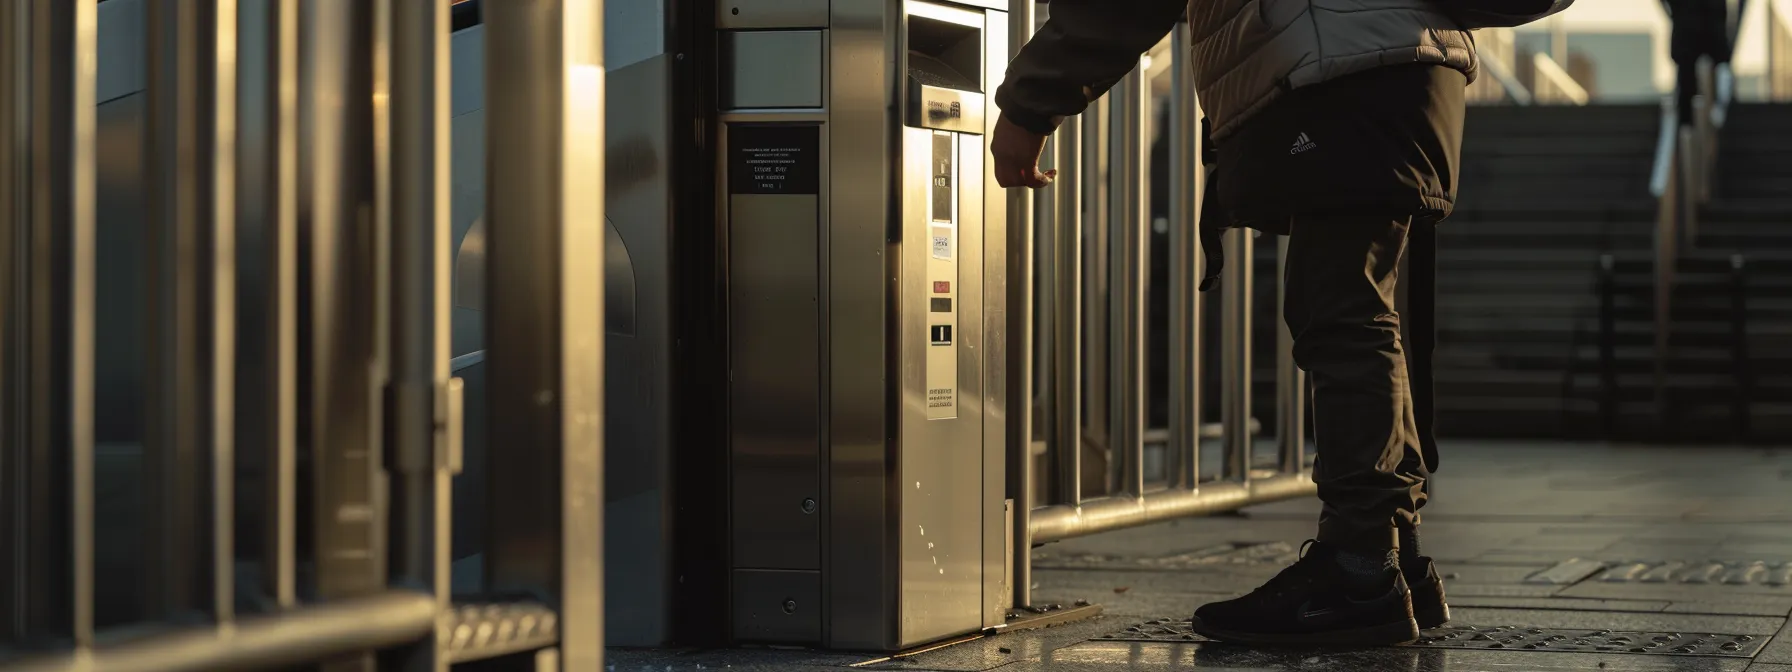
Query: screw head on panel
809, 506
790, 606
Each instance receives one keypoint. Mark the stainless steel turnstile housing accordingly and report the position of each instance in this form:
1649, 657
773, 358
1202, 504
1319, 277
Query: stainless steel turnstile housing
866, 285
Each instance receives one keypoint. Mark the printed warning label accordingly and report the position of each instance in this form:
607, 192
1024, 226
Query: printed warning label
941, 398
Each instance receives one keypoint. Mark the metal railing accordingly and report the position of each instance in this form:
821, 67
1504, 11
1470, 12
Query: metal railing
1498, 52
358, 386
1779, 51
1682, 182
1553, 85
1091, 209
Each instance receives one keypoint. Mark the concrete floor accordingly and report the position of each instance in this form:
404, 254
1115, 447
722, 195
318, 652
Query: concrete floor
1686, 544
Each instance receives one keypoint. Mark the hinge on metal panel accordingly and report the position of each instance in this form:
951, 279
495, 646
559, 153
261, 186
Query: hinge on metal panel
449, 421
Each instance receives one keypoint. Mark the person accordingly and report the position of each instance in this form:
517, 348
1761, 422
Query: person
1339, 124
1700, 30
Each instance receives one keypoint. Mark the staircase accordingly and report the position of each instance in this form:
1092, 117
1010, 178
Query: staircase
1750, 214
1728, 371
1545, 191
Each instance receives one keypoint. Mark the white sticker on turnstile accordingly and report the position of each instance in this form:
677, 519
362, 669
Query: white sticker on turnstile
942, 244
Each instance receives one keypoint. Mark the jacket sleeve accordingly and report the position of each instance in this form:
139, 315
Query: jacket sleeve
1081, 51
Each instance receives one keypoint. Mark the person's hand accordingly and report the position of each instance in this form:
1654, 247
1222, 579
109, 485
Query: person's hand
1016, 151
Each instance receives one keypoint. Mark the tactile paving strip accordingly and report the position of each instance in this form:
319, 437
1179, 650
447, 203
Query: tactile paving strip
1515, 638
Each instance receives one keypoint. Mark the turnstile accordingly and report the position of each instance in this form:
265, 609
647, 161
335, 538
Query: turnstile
866, 287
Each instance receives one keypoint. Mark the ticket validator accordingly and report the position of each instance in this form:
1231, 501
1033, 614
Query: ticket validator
866, 284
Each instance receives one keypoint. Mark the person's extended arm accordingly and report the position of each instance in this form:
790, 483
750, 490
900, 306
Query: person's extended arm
1081, 52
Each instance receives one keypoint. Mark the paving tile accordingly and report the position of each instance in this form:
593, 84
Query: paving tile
1464, 573
1735, 607
1769, 668
1567, 544
1500, 590
1634, 621
1517, 557
1103, 656
1779, 650
991, 652
1458, 600
1680, 592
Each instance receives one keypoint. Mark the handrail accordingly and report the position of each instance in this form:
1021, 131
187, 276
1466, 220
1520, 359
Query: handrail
1554, 85
1496, 52
1508, 81
1664, 149
271, 642
1608, 336
1779, 53
1739, 352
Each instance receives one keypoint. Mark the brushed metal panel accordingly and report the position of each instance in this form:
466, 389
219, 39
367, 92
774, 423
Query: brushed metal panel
638, 355
997, 539
940, 536
467, 196
944, 109
469, 267
771, 69
467, 62
777, 607
119, 242
775, 388
620, 280
123, 41
738, 14
861, 561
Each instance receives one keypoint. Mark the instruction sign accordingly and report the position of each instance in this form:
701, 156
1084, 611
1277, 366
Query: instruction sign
942, 276
784, 160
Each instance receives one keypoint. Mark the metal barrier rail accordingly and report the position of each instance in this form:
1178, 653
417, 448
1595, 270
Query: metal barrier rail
1779, 52
359, 214
1111, 137
1554, 86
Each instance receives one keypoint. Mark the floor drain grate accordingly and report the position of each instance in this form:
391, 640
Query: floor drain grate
1515, 638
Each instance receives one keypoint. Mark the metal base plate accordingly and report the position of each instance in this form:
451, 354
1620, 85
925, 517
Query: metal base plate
1036, 618
1516, 638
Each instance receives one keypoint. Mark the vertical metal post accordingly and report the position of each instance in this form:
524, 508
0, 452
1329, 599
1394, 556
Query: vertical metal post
1186, 185
343, 267
1020, 347
545, 324
281, 255
78, 24
422, 399
1291, 382
1095, 269
1045, 279
1235, 354
221, 71
178, 198
191, 287
15, 45
50, 439
1067, 295
1127, 310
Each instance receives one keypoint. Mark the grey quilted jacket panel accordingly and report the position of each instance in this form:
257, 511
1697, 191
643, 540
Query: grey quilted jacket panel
1246, 52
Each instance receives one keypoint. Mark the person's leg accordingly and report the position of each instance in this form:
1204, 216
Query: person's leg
1419, 285
1340, 308
1347, 587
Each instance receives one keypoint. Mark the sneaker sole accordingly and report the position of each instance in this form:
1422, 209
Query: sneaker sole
1429, 617
1387, 634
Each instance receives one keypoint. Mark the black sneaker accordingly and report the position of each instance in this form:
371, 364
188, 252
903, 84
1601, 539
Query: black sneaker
1428, 606
1307, 605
